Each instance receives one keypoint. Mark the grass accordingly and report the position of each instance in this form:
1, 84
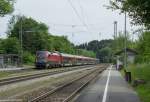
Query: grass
10, 74
141, 71
144, 92
5, 74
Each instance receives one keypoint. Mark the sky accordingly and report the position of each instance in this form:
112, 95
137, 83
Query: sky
80, 20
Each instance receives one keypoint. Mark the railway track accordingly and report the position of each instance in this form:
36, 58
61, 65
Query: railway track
33, 76
66, 92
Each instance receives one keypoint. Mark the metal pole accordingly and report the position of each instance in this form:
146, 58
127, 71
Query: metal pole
125, 42
116, 35
116, 28
100, 36
21, 49
73, 33
114, 31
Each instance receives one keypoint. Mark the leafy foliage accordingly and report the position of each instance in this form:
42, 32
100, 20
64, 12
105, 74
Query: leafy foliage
141, 71
35, 36
85, 53
60, 44
28, 58
138, 10
143, 47
6, 7
9, 46
119, 42
103, 49
96, 45
105, 54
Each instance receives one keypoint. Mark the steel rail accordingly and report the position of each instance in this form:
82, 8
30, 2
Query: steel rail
33, 76
56, 90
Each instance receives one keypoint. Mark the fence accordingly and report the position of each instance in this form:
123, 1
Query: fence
9, 60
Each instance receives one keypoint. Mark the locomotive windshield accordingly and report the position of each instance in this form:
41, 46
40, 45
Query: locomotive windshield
41, 56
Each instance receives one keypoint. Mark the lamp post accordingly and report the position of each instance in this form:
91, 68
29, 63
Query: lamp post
100, 36
115, 29
125, 33
127, 74
21, 43
125, 41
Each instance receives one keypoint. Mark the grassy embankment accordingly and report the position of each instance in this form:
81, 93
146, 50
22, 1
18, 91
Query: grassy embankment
141, 71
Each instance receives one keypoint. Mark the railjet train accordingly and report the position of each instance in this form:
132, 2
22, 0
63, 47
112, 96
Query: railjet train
46, 59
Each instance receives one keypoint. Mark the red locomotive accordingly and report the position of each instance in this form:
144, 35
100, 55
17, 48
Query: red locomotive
46, 59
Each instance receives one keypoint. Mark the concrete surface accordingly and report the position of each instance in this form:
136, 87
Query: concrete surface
11, 69
15, 68
109, 87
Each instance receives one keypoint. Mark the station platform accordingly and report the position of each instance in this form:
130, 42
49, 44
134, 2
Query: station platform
110, 86
16, 68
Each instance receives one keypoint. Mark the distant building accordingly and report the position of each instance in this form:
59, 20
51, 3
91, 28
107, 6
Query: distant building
131, 54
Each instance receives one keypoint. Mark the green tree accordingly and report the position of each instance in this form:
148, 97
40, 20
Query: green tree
143, 47
60, 43
10, 46
138, 10
36, 37
105, 54
34, 34
6, 7
85, 53
119, 42
1, 46
96, 47
28, 58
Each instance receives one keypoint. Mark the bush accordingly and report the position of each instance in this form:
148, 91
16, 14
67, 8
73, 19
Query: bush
28, 58
141, 71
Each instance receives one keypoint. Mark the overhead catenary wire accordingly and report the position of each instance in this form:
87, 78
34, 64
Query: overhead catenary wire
76, 12
82, 12
65, 25
70, 25
84, 15
78, 31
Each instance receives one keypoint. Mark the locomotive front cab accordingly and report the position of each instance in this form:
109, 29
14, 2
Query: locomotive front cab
41, 59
